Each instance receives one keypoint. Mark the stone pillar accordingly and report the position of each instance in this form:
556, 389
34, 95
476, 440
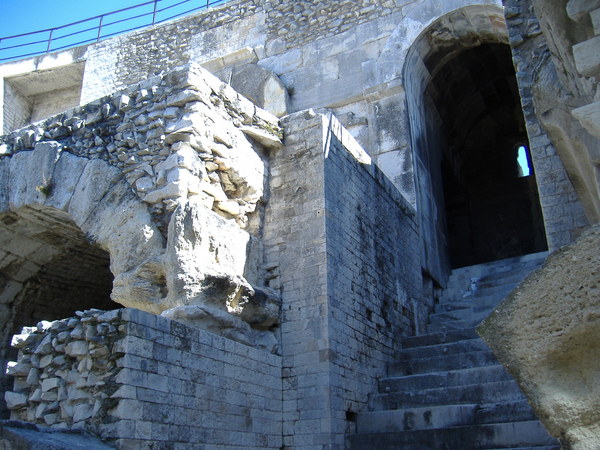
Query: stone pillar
563, 214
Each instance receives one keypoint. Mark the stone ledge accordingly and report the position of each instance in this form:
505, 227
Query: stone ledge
589, 116
577, 9
587, 56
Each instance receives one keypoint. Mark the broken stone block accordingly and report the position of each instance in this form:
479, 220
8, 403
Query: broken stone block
77, 348
547, 334
15, 399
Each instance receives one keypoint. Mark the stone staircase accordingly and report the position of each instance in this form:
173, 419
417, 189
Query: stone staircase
446, 390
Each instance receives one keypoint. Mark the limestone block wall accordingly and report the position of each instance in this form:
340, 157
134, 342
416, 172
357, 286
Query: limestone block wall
136, 379
564, 215
17, 109
295, 253
340, 243
374, 275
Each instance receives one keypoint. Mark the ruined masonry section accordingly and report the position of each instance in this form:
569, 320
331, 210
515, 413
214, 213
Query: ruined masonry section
184, 135
114, 373
185, 150
66, 371
340, 322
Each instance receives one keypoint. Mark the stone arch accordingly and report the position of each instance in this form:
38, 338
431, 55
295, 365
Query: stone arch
453, 98
95, 197
73, 236
388, 87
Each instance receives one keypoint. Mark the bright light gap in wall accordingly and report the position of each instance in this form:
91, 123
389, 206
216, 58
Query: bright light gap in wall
523, 162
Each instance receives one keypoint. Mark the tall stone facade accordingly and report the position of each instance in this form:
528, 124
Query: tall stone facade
278, 189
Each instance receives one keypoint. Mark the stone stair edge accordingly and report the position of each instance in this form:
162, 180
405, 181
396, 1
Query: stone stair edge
489, 439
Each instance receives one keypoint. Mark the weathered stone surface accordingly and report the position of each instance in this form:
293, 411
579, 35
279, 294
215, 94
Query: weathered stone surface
589, 116
586, 57
578, 9
546, 334
259, 85
203, 248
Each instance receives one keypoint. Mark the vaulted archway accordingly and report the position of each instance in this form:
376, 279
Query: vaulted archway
466, 131
71, 230
49, 270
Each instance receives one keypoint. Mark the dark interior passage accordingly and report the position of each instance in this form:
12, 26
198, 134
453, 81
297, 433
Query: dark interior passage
48, 271
492, 210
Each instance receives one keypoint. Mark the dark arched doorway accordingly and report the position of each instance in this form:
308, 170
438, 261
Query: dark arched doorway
48, 271
490, 194
476, 203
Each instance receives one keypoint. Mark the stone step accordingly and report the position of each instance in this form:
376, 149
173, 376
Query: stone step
475, 375
496, 391
474, 315
503, 278
443, 416
511, 277
500, 291
529, 447
424, 418
451, 325
438, 338
460, 280
486, 436
442, 363
504, 264
473, 302
517, 410
450, 348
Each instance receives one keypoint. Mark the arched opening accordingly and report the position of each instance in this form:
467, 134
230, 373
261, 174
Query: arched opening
467, 128
492, 209
48, 271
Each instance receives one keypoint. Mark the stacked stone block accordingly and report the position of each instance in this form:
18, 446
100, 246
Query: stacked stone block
346, 303
65, 375
137, 379
373, 274
563, 214
180, 135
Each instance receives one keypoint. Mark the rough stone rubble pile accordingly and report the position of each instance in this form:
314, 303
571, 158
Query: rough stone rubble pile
66, 372
183, 135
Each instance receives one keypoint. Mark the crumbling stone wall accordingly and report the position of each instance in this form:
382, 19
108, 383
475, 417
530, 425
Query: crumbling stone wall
167, 140
136, 379
192, 120
65, 373
166, 179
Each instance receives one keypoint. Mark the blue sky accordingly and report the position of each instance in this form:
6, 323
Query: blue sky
24, 16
